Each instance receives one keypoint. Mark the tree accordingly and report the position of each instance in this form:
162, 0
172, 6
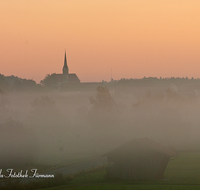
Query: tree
102, 98
3, 83
24, 84
105, 110
49, 80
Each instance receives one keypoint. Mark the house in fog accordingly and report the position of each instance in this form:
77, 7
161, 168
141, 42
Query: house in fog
139, 159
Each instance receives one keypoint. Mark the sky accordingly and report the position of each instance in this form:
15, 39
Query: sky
133, 38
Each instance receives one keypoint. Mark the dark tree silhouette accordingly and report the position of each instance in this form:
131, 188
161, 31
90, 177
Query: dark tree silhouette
102, 98
3, 84
24, 85
49, 81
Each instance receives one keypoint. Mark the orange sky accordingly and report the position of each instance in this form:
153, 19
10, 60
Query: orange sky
135, 38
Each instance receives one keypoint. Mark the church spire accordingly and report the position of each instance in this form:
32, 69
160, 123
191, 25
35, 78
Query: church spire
65, 67
65, 62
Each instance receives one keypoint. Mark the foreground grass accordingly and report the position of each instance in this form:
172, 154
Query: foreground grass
183, 172
128, 187
184, 169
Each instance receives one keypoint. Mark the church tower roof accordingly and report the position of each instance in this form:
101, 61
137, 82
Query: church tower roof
65, 62
65, 67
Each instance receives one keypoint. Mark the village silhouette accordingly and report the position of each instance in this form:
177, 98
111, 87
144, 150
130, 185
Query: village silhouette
67, 81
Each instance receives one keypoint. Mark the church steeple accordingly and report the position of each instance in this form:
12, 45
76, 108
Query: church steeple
65, 67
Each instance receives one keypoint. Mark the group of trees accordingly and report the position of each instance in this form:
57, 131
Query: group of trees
16, 84
156, 118
50, 81
104, 114
102, 98
54, 131
154, 79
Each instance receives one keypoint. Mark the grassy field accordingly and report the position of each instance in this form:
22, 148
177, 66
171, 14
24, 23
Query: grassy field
183, 172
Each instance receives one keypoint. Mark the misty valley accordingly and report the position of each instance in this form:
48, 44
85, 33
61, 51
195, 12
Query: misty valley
53, 128
61, 127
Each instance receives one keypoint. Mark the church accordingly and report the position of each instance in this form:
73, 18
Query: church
66, 77
70, 81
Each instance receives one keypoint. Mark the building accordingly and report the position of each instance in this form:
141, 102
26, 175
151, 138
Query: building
139, 159
66, 77
70, 82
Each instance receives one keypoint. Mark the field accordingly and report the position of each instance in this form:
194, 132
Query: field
54, 129
183, 172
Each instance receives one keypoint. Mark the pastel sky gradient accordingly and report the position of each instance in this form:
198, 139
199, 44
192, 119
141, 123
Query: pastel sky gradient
136, 38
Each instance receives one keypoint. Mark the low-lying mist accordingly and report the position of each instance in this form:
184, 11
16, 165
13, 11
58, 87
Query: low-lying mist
67, 127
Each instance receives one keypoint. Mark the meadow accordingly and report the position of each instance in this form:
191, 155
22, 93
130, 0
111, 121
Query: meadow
183, 172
